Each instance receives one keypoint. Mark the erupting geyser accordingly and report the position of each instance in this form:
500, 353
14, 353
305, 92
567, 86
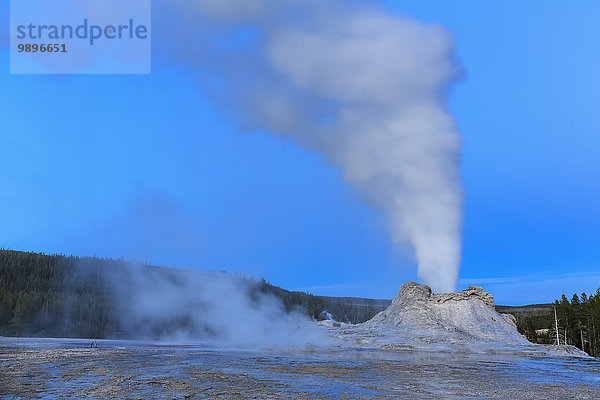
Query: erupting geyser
362, 86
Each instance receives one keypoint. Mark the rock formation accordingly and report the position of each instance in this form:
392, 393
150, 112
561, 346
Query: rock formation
464, 316
467, 294
447, 322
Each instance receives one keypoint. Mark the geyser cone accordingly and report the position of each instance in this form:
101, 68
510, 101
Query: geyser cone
461, 316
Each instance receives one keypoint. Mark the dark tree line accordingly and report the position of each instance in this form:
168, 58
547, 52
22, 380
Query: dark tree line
43, 295
578, 322
315, 305
59, 296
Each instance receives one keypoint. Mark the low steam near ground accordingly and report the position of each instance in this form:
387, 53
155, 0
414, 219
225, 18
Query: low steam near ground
182, 306
189, 307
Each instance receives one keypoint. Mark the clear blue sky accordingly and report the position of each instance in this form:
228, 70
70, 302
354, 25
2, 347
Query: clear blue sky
146, 168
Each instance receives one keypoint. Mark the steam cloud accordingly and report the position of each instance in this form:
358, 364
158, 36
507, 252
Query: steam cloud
363, 87
187, 306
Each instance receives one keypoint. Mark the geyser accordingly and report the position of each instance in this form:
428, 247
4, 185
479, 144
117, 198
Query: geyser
357, 83
460, 317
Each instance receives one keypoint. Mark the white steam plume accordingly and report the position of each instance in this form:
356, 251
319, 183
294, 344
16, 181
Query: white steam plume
189, 306
358, 84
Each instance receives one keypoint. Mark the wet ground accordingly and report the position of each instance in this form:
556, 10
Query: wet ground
63, 368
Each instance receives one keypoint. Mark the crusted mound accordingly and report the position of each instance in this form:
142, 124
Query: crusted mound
463, 322
455, 317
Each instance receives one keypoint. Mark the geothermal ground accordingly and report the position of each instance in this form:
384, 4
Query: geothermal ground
450, 346
51, 368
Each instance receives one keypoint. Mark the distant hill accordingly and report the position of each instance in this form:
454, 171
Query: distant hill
528, 309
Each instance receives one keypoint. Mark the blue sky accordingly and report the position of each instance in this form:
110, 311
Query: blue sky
146, 168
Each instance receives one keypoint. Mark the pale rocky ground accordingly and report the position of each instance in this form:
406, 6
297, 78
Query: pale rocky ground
69, 369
